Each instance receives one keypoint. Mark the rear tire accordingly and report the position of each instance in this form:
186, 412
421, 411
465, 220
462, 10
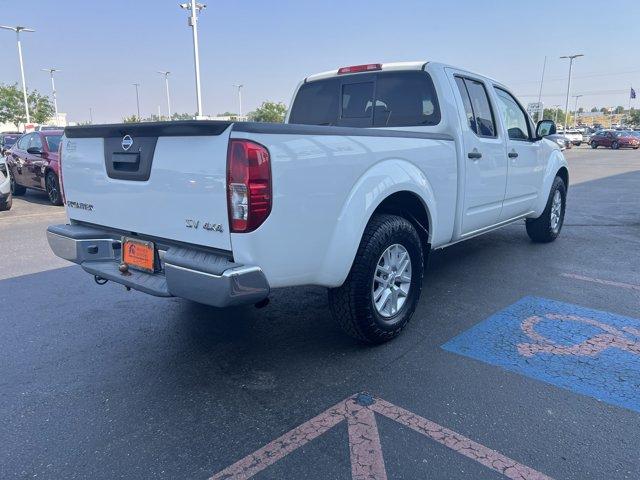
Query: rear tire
16, 190
381, 272
615, 146
6, 203
547, 226
52, 187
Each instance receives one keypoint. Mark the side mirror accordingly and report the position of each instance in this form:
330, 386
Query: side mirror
545, 127
34, 151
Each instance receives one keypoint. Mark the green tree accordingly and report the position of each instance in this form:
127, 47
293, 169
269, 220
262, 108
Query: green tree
581, 110
131, 119
594, 110
553, 114
183, 116
633, 118
12, 106
619, 109
604, 110
271, 112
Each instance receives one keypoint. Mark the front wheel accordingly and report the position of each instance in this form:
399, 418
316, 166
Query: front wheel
381, 292
615, 146
52, 187
547, 226
594, 145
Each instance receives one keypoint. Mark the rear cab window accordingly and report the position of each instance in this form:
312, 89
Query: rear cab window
383, 99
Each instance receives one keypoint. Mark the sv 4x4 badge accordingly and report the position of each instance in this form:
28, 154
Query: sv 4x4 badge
211, 227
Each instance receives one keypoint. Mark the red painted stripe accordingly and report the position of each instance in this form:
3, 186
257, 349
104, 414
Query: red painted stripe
611, 283
284, 445
459, 443
367, 462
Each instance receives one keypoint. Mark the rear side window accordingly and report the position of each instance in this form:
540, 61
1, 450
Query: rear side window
386, 99
53, 142
468, 109
316, 103
482, 113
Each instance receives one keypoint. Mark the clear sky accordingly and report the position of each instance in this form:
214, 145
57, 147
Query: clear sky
103, 47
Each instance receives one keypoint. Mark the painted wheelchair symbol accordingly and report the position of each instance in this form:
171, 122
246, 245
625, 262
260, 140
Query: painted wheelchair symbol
627, 339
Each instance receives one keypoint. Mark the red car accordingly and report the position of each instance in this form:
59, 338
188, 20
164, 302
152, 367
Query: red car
34, 162
614, 139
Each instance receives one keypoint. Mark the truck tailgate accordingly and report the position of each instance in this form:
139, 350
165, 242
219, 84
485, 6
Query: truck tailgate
166, 180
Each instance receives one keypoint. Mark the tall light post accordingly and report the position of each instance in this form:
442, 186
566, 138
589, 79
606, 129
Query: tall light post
575, 110
19, 29
556, 108
53, 88
195, 9
540, 107
166, 86
239, 87
137, 85
566, 105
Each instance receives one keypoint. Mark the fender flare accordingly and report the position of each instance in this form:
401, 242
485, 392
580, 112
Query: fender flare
555, 163
372, 188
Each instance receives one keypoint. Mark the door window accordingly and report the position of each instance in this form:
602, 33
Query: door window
515, 119
23, 143
468, 109
36, 141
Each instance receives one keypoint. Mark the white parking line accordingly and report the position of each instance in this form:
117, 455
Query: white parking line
611, 283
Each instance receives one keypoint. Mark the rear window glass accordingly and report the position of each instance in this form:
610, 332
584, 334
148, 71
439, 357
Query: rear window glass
401, 99
316, 103
53, 142
10, 140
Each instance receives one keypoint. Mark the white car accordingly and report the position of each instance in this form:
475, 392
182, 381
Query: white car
376, 166
5, 187
574, 135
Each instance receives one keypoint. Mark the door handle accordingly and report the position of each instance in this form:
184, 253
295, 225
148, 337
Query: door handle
513, 154
474, 155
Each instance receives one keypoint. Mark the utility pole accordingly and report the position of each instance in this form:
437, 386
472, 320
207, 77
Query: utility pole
53, 88
239, 87
566, 105
540, 107
137, 85
575, 111
19, 29
166, 86
91, 115
195, 9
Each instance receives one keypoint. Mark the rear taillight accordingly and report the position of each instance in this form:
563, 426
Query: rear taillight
248, 185
369, 67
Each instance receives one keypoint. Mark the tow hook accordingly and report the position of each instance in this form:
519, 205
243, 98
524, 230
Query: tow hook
100, 280
262, 303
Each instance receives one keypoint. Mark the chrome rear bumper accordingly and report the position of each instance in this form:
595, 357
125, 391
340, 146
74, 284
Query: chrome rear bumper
200, 276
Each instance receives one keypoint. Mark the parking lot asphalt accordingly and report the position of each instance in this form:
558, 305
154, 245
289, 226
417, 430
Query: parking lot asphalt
97, 382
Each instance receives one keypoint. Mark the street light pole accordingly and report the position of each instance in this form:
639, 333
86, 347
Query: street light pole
239, 87
575, 111
138, 101
566, 105
166, 85
540, 108
195, 9
53, 88
19, 29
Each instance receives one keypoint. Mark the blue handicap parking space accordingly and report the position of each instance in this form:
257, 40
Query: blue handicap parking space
587, 351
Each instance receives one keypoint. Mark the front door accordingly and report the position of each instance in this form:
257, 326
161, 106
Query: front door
484, 156
34, 163
17, 159
525, 157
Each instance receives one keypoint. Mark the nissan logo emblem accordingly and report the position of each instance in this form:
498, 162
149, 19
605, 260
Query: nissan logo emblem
127, 142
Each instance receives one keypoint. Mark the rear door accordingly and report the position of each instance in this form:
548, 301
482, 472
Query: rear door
34, 163
166, 181
484, 155
526, 162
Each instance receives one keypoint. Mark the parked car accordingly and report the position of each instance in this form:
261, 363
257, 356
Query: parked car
7, 139
587, 132
574, 135
33, 162
563, 142
615, 139
5, 187
222, 212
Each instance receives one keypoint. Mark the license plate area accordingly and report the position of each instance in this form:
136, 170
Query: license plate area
139, 254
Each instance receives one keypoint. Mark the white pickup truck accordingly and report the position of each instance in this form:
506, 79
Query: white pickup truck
375, 166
